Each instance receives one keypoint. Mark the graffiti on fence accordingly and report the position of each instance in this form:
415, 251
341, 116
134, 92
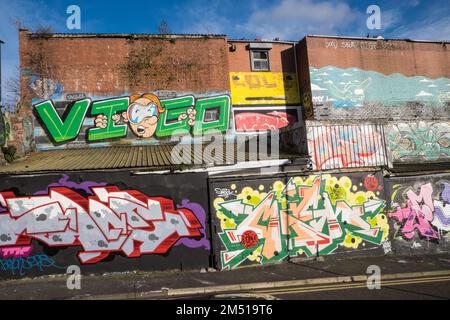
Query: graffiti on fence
314, 215
346, 146
110, 220
422, 210
423, 141
146, 116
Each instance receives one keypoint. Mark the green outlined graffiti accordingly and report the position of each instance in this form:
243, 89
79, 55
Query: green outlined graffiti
108, 108
314, 215
146, 116
68, 128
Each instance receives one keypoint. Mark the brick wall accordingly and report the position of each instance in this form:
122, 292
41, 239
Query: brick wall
101, 65
70, 67
281, 56
264, 100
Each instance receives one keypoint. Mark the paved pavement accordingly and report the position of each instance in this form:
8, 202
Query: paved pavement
157, 284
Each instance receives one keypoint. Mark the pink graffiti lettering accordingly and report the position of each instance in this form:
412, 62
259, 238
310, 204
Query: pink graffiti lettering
110, 221
16, 252
418, 213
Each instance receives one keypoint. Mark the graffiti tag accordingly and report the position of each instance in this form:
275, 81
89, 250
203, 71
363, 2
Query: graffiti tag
19, 266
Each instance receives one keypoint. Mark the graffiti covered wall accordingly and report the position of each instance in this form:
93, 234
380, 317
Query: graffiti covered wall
267, 220
136, 119
102, 222
376, 78
353, 87
420, 209
265, 119
419, 142
261, 100
346, 146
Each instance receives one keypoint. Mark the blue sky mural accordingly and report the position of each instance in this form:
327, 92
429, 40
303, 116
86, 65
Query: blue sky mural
353, 87
283, 19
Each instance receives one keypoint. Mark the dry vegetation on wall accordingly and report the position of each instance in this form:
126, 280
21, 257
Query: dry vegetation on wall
153, 64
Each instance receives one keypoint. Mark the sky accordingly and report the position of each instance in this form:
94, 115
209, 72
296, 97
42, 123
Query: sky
249, 19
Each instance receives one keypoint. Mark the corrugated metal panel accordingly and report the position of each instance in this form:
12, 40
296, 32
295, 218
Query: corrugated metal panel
156, 157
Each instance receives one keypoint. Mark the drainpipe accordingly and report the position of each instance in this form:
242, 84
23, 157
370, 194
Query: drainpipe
1, 100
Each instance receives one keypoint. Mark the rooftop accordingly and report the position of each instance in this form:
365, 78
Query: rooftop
374, 38
149, 158
121, 35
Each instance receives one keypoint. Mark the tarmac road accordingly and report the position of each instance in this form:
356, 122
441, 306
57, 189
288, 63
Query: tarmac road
417, 288
424, 288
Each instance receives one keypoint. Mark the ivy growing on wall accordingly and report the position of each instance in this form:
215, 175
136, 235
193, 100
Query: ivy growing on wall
152, 63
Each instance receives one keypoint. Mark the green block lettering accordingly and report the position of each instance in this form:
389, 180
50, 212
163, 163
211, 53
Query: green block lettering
62, 130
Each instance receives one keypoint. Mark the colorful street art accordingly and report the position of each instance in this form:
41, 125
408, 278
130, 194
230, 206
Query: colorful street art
419, 141
310, 216
346, 146
146, 116
421, 210
264, 120
354, 87
264, 88
110, 220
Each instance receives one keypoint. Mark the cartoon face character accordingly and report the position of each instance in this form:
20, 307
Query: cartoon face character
142, 115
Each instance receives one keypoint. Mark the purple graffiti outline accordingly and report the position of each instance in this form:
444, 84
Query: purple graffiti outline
200, 213
438, 211
65, 182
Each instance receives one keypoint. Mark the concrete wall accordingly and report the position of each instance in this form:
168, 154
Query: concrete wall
264, 100
267, 220
103, 222
369, 78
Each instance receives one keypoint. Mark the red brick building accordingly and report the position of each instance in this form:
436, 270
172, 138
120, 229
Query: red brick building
68, 67
368, 78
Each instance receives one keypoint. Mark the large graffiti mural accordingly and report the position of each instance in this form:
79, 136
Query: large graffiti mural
346, 146
309, 216
419, 141
349, 88
145, 116
421, 210
264, 88
110, 221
